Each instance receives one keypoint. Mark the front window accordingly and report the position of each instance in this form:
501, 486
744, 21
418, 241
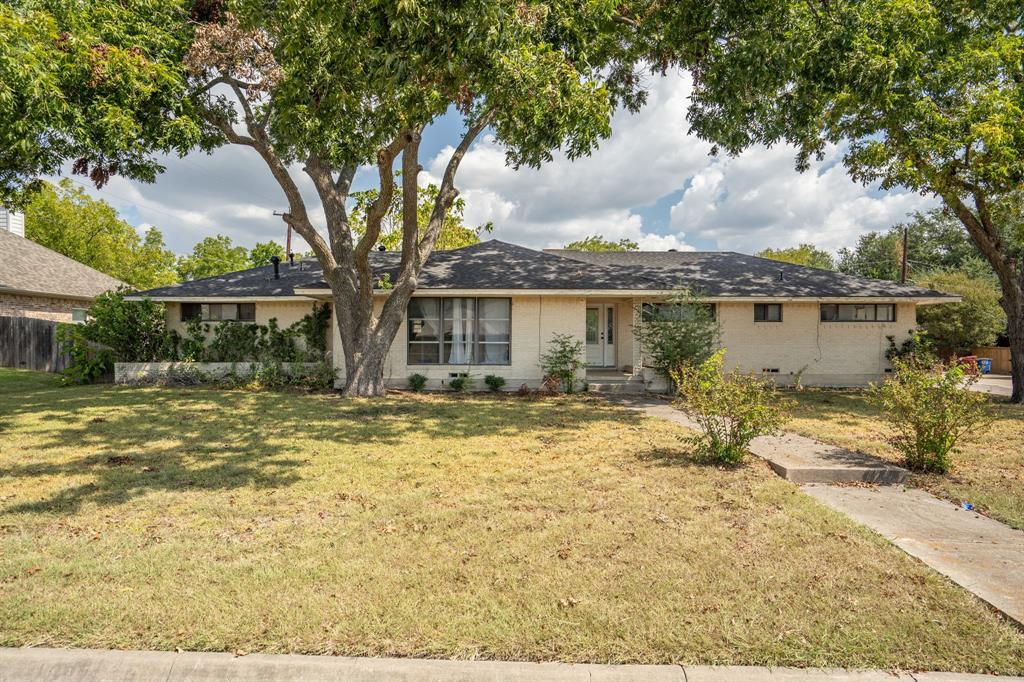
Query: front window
767, 312
460, 331
218, 312
79, 315
857, 312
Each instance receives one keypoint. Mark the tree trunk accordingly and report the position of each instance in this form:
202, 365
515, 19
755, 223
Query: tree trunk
365, 378
366, 345
1015, 318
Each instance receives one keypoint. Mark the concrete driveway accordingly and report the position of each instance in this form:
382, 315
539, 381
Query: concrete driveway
996, 384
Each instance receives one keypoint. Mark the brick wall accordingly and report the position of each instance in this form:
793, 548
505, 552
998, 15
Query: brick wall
41, 307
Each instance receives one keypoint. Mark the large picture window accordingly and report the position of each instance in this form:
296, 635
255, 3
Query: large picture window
460, 331
218, 312
857, 312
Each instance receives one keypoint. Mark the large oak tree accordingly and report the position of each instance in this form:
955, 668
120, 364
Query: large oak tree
924, 94
314, 89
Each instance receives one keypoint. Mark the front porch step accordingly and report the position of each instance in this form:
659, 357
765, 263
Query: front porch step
616, 387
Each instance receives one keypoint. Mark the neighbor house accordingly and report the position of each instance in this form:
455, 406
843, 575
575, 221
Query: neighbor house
493, 307
37, 282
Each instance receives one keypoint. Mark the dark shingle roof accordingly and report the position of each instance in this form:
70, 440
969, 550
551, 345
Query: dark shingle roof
727, 273
499, 265
487, 265
30, 267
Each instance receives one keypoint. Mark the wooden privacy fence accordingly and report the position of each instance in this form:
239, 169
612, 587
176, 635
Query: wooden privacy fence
1000, 357
28, 343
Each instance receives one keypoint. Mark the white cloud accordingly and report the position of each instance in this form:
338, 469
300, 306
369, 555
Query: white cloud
648, 156
757, 200
622, 191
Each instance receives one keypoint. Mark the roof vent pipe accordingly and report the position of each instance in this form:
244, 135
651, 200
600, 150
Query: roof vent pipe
276, 260
291, 259
382, 248
782, 276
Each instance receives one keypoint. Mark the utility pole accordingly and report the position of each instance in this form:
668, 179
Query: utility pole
903, 258
288, 240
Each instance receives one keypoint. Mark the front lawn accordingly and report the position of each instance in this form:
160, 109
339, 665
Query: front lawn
987, 472
463, 527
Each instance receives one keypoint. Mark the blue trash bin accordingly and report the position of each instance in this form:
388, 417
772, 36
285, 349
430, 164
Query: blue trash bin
985, 365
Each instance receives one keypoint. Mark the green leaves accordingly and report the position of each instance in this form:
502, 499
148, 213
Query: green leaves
92, 82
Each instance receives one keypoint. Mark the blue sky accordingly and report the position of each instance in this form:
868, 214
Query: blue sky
651, 182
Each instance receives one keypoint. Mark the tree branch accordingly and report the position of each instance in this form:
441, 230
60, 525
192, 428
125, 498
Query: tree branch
448, 193
382, 204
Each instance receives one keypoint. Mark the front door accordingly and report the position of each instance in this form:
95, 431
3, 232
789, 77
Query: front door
601, 335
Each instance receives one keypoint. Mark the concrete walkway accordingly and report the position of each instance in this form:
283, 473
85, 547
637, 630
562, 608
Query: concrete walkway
981, 555
88, 665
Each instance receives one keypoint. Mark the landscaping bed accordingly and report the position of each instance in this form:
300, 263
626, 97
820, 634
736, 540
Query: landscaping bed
988, 471
558, 528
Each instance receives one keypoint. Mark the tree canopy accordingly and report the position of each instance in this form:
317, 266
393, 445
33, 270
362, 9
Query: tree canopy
977, 320
935, 240
213, 256
66, 219
262, 252
454, 233
922, 94
599, 243
804, 254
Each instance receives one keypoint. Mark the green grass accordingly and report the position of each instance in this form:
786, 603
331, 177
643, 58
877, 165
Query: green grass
462, 527
988, 468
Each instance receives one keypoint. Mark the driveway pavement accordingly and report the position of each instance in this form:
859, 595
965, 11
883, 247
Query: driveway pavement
90, 665
996, 384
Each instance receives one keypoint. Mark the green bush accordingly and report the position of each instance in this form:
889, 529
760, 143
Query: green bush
494, 382
681, 331
417, 382
918, 348
462, 383
193, 346
116, 331
730, 408
929, 408
232, 342
562, 360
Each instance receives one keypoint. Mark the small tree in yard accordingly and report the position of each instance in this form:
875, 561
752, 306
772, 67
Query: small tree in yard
562, 361
681, 331
731, 408
929, 409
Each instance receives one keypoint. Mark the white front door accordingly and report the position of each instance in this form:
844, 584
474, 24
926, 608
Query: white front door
601, 335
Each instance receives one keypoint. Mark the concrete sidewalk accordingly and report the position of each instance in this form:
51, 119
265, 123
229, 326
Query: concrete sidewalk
88, 665
979, 554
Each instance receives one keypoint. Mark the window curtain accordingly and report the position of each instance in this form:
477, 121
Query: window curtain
462, 331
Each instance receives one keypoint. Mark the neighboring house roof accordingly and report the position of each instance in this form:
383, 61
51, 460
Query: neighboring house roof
27, 267
727, 274
496, 265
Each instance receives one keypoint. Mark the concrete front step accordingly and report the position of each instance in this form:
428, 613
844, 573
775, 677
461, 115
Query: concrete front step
805, 460
617, 387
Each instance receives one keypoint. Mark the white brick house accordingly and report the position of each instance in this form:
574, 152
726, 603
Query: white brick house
492, 308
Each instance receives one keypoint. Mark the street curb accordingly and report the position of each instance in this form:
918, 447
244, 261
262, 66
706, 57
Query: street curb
81, 665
